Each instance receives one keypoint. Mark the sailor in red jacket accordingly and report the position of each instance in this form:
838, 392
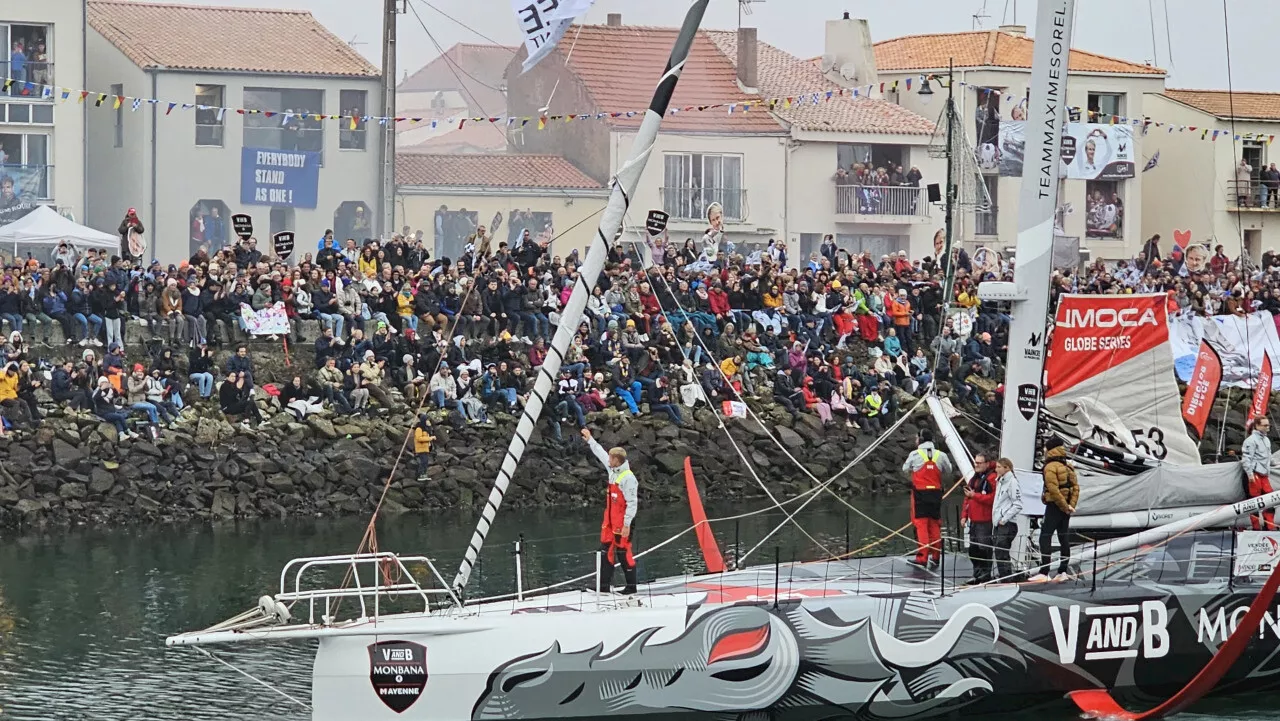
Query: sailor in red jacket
927, 466
617, 530
979, 495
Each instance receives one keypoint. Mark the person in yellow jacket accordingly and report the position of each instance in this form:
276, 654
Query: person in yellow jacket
1061, 493
14, 408
422, 439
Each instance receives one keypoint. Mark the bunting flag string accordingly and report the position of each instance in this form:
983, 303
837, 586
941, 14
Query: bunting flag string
787, 101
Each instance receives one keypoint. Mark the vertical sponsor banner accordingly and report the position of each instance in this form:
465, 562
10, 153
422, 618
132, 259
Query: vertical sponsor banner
1262, 390
1202, 388
1110, 376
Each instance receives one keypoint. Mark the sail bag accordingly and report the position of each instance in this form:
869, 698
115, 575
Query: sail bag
1110, 375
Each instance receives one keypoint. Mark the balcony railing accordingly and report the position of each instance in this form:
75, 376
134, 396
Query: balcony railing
30, 82
882, 200
692, 203
1252, 195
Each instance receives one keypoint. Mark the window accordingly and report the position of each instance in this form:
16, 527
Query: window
24, 164
116, 91
27, 59
24, 113
987, 118
1102, 106
210, 226
282, 219
353, 219
299, 128
1104, 209
693, 181
988, 221
210, 99
353, 103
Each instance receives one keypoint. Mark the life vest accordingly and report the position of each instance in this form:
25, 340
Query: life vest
615, 508
926, 487
874, 401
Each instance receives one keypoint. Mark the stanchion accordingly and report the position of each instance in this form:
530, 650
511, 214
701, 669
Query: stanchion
519, 568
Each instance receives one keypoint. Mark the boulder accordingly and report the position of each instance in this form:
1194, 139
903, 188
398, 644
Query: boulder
73, 490
66, 455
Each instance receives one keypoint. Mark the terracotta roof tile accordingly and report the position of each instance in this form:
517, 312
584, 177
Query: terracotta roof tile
781, 73
481, 72
981, 48
1219, 103
509, 171
485, 138
191, 37
619, 67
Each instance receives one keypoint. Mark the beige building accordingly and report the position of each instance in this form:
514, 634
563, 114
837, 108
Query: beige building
186, 164
1000, 60
467, 81
773, 172
448, 196
1197, 185
42, 136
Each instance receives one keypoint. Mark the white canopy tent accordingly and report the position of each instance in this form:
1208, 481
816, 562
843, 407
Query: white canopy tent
43, 228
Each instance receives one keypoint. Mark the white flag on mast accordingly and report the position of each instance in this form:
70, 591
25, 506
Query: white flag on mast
544, 22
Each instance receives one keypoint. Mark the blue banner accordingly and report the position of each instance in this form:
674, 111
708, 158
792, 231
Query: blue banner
282, 178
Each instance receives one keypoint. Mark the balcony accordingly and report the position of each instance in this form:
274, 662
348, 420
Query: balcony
1246, 196
691, 203
31, 82
881, 204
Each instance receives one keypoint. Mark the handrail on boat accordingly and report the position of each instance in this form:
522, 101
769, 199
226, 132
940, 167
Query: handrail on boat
380, 562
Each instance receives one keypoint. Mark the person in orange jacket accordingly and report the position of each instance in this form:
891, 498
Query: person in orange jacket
928, 467
617, 530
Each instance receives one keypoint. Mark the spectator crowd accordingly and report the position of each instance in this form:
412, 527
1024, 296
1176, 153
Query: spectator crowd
839, 338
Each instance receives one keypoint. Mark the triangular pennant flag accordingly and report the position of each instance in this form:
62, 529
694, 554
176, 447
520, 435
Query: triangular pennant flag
65, 94
269, 114
137, 103
542, 122
434, 122
8, 83
908, 85
222, 112
46, 91
170, 108
119, 100
102, 98
83, 94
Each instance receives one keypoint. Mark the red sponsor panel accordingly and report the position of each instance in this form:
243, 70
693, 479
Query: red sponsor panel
1094, 333
1202, 388
1262, 389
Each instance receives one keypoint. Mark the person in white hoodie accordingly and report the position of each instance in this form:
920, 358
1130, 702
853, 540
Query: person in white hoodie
1005, 510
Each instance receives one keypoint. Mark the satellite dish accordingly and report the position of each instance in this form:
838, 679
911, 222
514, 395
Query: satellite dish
828, 63
849, 71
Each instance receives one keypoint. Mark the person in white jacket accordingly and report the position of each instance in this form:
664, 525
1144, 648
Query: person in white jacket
1005, 510
617, 530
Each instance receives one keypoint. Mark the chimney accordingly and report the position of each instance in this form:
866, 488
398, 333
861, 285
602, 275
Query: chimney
848, 58
614, 20
748, 60
1019, 30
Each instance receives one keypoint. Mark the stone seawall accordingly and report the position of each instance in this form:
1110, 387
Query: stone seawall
74, 469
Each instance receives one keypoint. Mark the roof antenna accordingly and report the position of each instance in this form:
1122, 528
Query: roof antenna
744, 8
979, 16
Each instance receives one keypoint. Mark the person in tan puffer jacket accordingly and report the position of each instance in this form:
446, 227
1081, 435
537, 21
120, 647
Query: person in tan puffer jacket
1061, 492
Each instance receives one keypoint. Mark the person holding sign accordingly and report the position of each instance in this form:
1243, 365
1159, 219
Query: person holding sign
132, 245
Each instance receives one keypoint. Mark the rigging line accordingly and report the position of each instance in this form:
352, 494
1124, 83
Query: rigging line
774, 438
746, 462
453, 68
547, 105
370, 539
466, 26
253, 678
1151, 20
1238, 156
1168, 36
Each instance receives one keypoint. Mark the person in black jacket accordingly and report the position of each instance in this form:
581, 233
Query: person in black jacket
494, 312
200, 369
234, 400
193, 304
785, 393
512, 302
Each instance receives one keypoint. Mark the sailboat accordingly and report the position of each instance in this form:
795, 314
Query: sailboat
868, 637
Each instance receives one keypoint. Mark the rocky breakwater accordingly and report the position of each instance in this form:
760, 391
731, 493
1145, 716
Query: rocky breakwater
74, 469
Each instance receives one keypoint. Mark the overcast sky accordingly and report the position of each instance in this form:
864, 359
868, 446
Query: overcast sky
1122, 28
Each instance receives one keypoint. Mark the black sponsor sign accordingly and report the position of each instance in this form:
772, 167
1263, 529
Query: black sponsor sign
656, 223
283, 244
398, 672
1028, 399
242, 224
1069, 149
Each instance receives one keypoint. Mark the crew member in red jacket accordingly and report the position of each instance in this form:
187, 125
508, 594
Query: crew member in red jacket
927, 467
979, 495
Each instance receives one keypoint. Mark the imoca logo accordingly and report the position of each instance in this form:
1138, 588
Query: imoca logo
1108, 318
1111, 632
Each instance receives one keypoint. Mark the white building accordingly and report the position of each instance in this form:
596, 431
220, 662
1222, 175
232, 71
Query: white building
186, 165
1195, 187
42, 137
1000, 60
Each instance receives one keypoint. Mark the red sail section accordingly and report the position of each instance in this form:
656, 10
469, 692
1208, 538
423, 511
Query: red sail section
1262, 391
706, 540
1093, 333
1098, 703
1202, 389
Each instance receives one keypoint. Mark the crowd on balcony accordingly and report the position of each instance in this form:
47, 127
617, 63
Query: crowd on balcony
868, 189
